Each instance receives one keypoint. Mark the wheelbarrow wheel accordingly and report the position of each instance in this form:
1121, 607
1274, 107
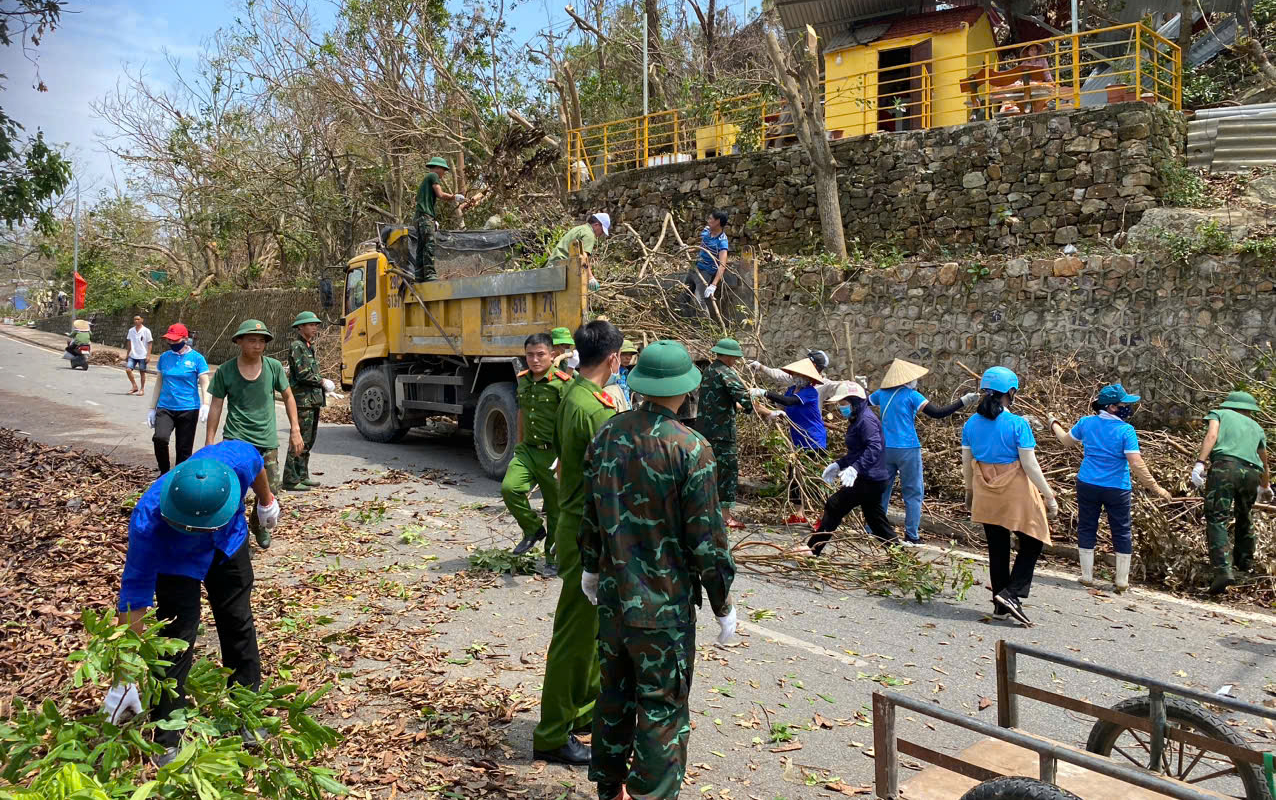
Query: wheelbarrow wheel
1018, 789
1181, 761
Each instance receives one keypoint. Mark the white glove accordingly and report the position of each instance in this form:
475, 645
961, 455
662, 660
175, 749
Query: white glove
757, 391
328, 386
727, 625
830, 473
1265, 494
573, 360
1052, 508
593, 284
589, 585
458, 198
150, 418
268, 515
970, 398
755, 364
1051, 419
848, 477
710, 291
203, 413
775, 416
123, 702
1198, 474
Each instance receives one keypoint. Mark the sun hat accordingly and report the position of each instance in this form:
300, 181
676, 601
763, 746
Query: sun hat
252, 326
1115, 394
727, 347
200, 495
81, 325
1241, 401
804, 368
604, 219
846, 389
439, 161
176, 332
999, 379
562, 336
901, 372
628, 346
306, 317
664, 369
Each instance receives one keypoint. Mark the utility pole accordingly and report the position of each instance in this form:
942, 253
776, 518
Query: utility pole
75, 252
1076, 23
645, 73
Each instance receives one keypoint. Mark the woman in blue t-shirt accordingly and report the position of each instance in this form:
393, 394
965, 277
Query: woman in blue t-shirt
1005, 490
801, 404
179, 404
1111, 454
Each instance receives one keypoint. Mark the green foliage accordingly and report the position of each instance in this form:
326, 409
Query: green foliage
503, 561
370, 512
1183, 186
1203, 86
975, 272
50, 751
1209, 238
542, 242
904, 574
780, 732
1264, 248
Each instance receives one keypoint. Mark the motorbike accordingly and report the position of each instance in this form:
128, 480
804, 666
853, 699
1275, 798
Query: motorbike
78, 355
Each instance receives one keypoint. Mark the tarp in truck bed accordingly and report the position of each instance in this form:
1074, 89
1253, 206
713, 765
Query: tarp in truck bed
463, 254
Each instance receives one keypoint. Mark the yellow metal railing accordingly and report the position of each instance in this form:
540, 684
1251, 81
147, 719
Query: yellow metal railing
976, 85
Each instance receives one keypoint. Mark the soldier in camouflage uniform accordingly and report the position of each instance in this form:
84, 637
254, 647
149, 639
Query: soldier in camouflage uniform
1235, 449
720, 395
651, 539
310, 390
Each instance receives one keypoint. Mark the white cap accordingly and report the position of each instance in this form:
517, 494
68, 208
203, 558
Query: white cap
604, 219
846, 390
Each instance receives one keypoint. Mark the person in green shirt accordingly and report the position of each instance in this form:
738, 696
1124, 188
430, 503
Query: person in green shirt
597, 226
427, 195
564, 350
310, 392
1235, 448
246, 386
572, 681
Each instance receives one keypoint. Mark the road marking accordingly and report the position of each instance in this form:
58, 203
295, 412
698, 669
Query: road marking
90, 402
793, 641
20, 375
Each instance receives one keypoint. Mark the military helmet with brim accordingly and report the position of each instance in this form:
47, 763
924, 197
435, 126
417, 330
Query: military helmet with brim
439, 161
628, 346
200, 495
664, 369
305, 318
727, 347
1240, 401
253, 326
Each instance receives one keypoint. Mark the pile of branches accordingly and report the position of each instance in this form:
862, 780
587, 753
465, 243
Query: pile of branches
106, 358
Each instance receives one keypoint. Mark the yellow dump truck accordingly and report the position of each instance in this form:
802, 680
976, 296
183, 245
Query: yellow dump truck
445, 347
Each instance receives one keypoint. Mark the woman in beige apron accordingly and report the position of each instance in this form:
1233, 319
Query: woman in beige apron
1005, 490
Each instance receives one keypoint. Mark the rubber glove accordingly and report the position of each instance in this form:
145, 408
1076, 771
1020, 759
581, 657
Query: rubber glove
970, 398
458, 198
123, 702
328, 386
775, 416
830, 473
1051, 419
268, 515
848, 476
593, 284
572, 361
1198, 474
710, 291
755, 364
589, 585
757, 391
1265, 494
203, 413
150, 418
727, 625
1052, 508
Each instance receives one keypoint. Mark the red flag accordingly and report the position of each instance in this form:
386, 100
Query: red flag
81, 286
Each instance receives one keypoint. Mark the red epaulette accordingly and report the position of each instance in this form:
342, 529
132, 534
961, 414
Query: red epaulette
562, 376
605, 399
524, 372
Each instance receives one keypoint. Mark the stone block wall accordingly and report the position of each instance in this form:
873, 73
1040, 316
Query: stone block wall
1137, 319
1043, 179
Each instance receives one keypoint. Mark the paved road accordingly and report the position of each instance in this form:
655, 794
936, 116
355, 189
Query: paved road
812, 652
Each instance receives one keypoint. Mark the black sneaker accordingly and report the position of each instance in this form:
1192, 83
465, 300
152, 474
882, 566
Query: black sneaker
529, 541
1011, 605
998, 614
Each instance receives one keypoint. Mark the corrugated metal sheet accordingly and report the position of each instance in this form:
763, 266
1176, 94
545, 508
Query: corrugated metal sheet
1233, 138
832, 17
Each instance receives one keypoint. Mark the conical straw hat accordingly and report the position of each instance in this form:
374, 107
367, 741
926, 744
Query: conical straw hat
901, 372
804, 368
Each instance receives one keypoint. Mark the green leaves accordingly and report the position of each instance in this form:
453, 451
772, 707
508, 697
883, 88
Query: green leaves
501, 560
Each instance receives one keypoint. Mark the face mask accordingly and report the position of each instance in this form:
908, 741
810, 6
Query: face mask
912, 384
1124, 412
176, 346
844, 410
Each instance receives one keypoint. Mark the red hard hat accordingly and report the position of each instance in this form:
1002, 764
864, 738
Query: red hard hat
177, 332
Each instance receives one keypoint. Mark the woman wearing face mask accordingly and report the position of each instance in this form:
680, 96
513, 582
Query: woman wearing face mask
860, 475
178, 403
1110, 449
1005, 490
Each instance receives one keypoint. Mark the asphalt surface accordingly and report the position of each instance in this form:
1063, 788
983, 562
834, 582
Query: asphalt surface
812, 658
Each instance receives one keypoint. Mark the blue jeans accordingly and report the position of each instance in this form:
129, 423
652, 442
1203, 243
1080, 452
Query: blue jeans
907, 461
1090, 500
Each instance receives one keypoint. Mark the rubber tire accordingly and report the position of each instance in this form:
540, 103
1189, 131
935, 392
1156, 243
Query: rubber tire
1015, 788
1104, 734
497, 401
373, 392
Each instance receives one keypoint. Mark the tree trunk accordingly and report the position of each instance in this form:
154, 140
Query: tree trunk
1187, 8
1252, 48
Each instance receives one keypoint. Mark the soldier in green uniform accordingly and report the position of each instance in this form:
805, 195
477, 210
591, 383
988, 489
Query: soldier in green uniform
651, 539
721, 394
1235, 448
427, 195
309, 389
571, 666
564, 350
540, 390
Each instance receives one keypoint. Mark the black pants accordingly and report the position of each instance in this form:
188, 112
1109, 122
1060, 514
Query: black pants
424, 265
166, 422
865, 495
1018, 579
230, 586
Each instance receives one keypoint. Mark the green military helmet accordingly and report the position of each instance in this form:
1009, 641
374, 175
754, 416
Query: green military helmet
727, 347
1241, 401
200, 495
562, 336
305, 318
253, 326
439, 161
628, 346
664, 369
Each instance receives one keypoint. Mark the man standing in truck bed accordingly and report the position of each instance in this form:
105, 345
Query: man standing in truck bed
429, 193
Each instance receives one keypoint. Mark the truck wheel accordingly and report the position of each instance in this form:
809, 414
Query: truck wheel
1018, 789
495, 423
372, 406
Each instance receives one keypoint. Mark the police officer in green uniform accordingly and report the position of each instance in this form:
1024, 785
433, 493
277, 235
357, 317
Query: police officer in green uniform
309, 389
651, 539
571, 666
720, 395
540, 391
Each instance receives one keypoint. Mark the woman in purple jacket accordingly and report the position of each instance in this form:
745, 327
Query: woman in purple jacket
861, 473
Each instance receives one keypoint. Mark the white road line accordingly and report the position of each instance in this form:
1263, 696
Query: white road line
793, 641
20, 375
90, 402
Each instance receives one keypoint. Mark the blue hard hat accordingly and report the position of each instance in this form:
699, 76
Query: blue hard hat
999, 379
1116, 395
200, 495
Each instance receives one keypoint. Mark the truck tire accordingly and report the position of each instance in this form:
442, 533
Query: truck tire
1018, 789
495, 423
1188, 715
372, 406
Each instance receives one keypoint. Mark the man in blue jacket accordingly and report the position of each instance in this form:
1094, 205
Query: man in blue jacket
188, 528
861, 473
